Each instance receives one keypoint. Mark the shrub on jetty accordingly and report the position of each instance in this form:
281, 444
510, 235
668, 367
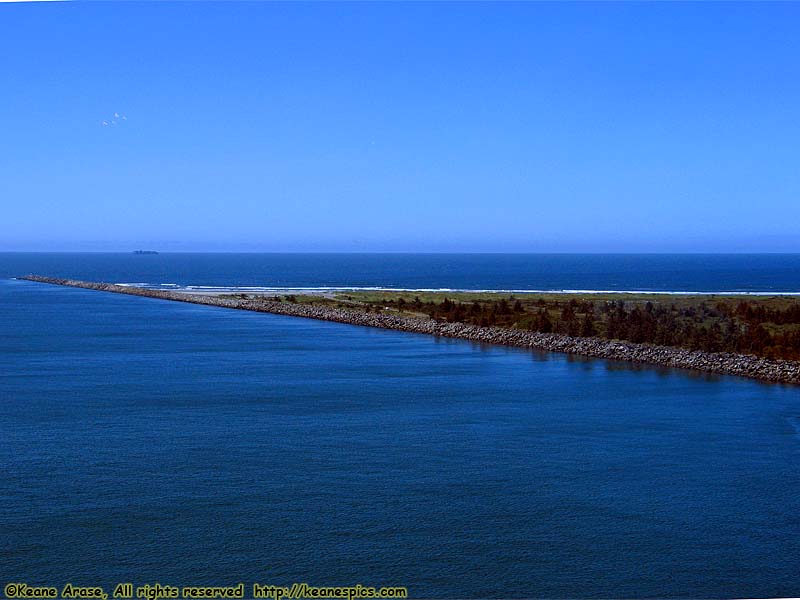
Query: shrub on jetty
768, 327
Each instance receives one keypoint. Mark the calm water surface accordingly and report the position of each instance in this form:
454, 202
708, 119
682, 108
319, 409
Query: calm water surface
649, 272
146, 441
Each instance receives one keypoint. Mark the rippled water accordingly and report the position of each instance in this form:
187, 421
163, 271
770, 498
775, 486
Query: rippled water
143, 441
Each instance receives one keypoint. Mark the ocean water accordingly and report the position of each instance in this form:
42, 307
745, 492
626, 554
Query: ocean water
144, 441
771, 273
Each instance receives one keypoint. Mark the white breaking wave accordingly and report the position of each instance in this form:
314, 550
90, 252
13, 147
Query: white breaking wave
328, 289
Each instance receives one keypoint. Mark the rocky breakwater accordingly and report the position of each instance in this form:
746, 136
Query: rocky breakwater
744, 365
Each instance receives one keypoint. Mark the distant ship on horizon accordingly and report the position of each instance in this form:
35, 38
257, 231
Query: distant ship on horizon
145, 252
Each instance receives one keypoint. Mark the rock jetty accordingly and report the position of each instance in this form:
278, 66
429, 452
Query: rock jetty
743, 365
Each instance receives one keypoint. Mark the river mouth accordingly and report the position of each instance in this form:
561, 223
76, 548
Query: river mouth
272, 439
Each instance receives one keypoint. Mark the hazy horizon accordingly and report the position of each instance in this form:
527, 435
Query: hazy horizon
411, 252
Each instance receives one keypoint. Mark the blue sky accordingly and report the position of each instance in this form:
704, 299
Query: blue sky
575, 127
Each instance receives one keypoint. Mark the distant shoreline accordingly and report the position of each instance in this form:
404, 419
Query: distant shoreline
743, 365
241, 289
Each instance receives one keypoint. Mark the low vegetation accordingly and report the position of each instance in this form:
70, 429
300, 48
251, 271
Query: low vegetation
764, 326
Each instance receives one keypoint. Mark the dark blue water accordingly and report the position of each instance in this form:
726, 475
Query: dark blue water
145, 441
651, 272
